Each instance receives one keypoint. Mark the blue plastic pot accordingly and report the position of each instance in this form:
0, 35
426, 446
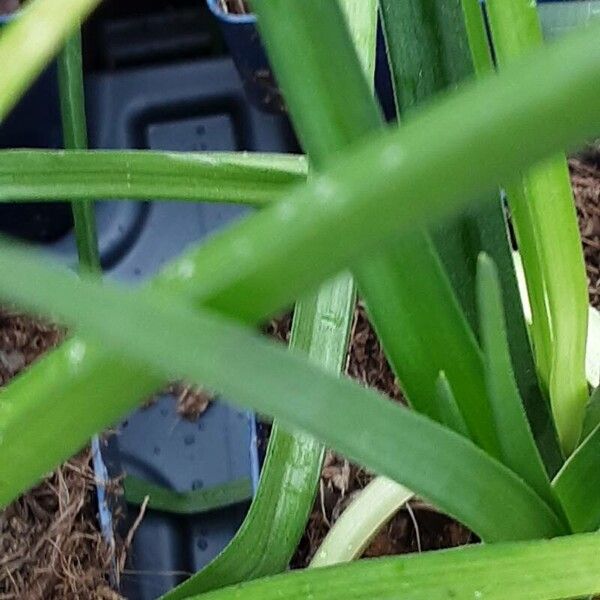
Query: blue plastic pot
242, 37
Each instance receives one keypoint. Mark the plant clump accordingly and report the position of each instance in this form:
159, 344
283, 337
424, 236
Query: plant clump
420, 527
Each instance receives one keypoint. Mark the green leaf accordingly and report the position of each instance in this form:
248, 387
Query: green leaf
577, 485
361, 521
186, 503
518, 448
427, 54
477, 37
420, 340
545, 220
290, 476
28, 43
435, 46
412, 162
324, 119
39, 175
289, 470
592, 414
448, 409
427, 48
320, 327
143, 328
425, 337
253, 270
292, 468
485, 230
567, 567
74, 128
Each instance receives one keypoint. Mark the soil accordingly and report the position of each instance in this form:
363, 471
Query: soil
235, 7
585, 175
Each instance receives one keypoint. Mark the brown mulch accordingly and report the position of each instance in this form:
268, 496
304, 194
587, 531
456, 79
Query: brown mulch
22, 341
585, 176
50, 545
192, 400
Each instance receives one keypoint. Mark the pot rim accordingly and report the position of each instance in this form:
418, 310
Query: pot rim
220, 14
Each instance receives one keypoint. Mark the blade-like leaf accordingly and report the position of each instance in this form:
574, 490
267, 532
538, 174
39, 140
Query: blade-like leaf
545, 220
568, 567
289, 470
292, 468
577, 485
39, 175
143, 327
361, 521
320, 327
258, 266
435, 45
425, 337
519, 451
74, 127
325, 122
28, 43
448, 409
421, 338
491, 237
412, 162
592, 414
477, 37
